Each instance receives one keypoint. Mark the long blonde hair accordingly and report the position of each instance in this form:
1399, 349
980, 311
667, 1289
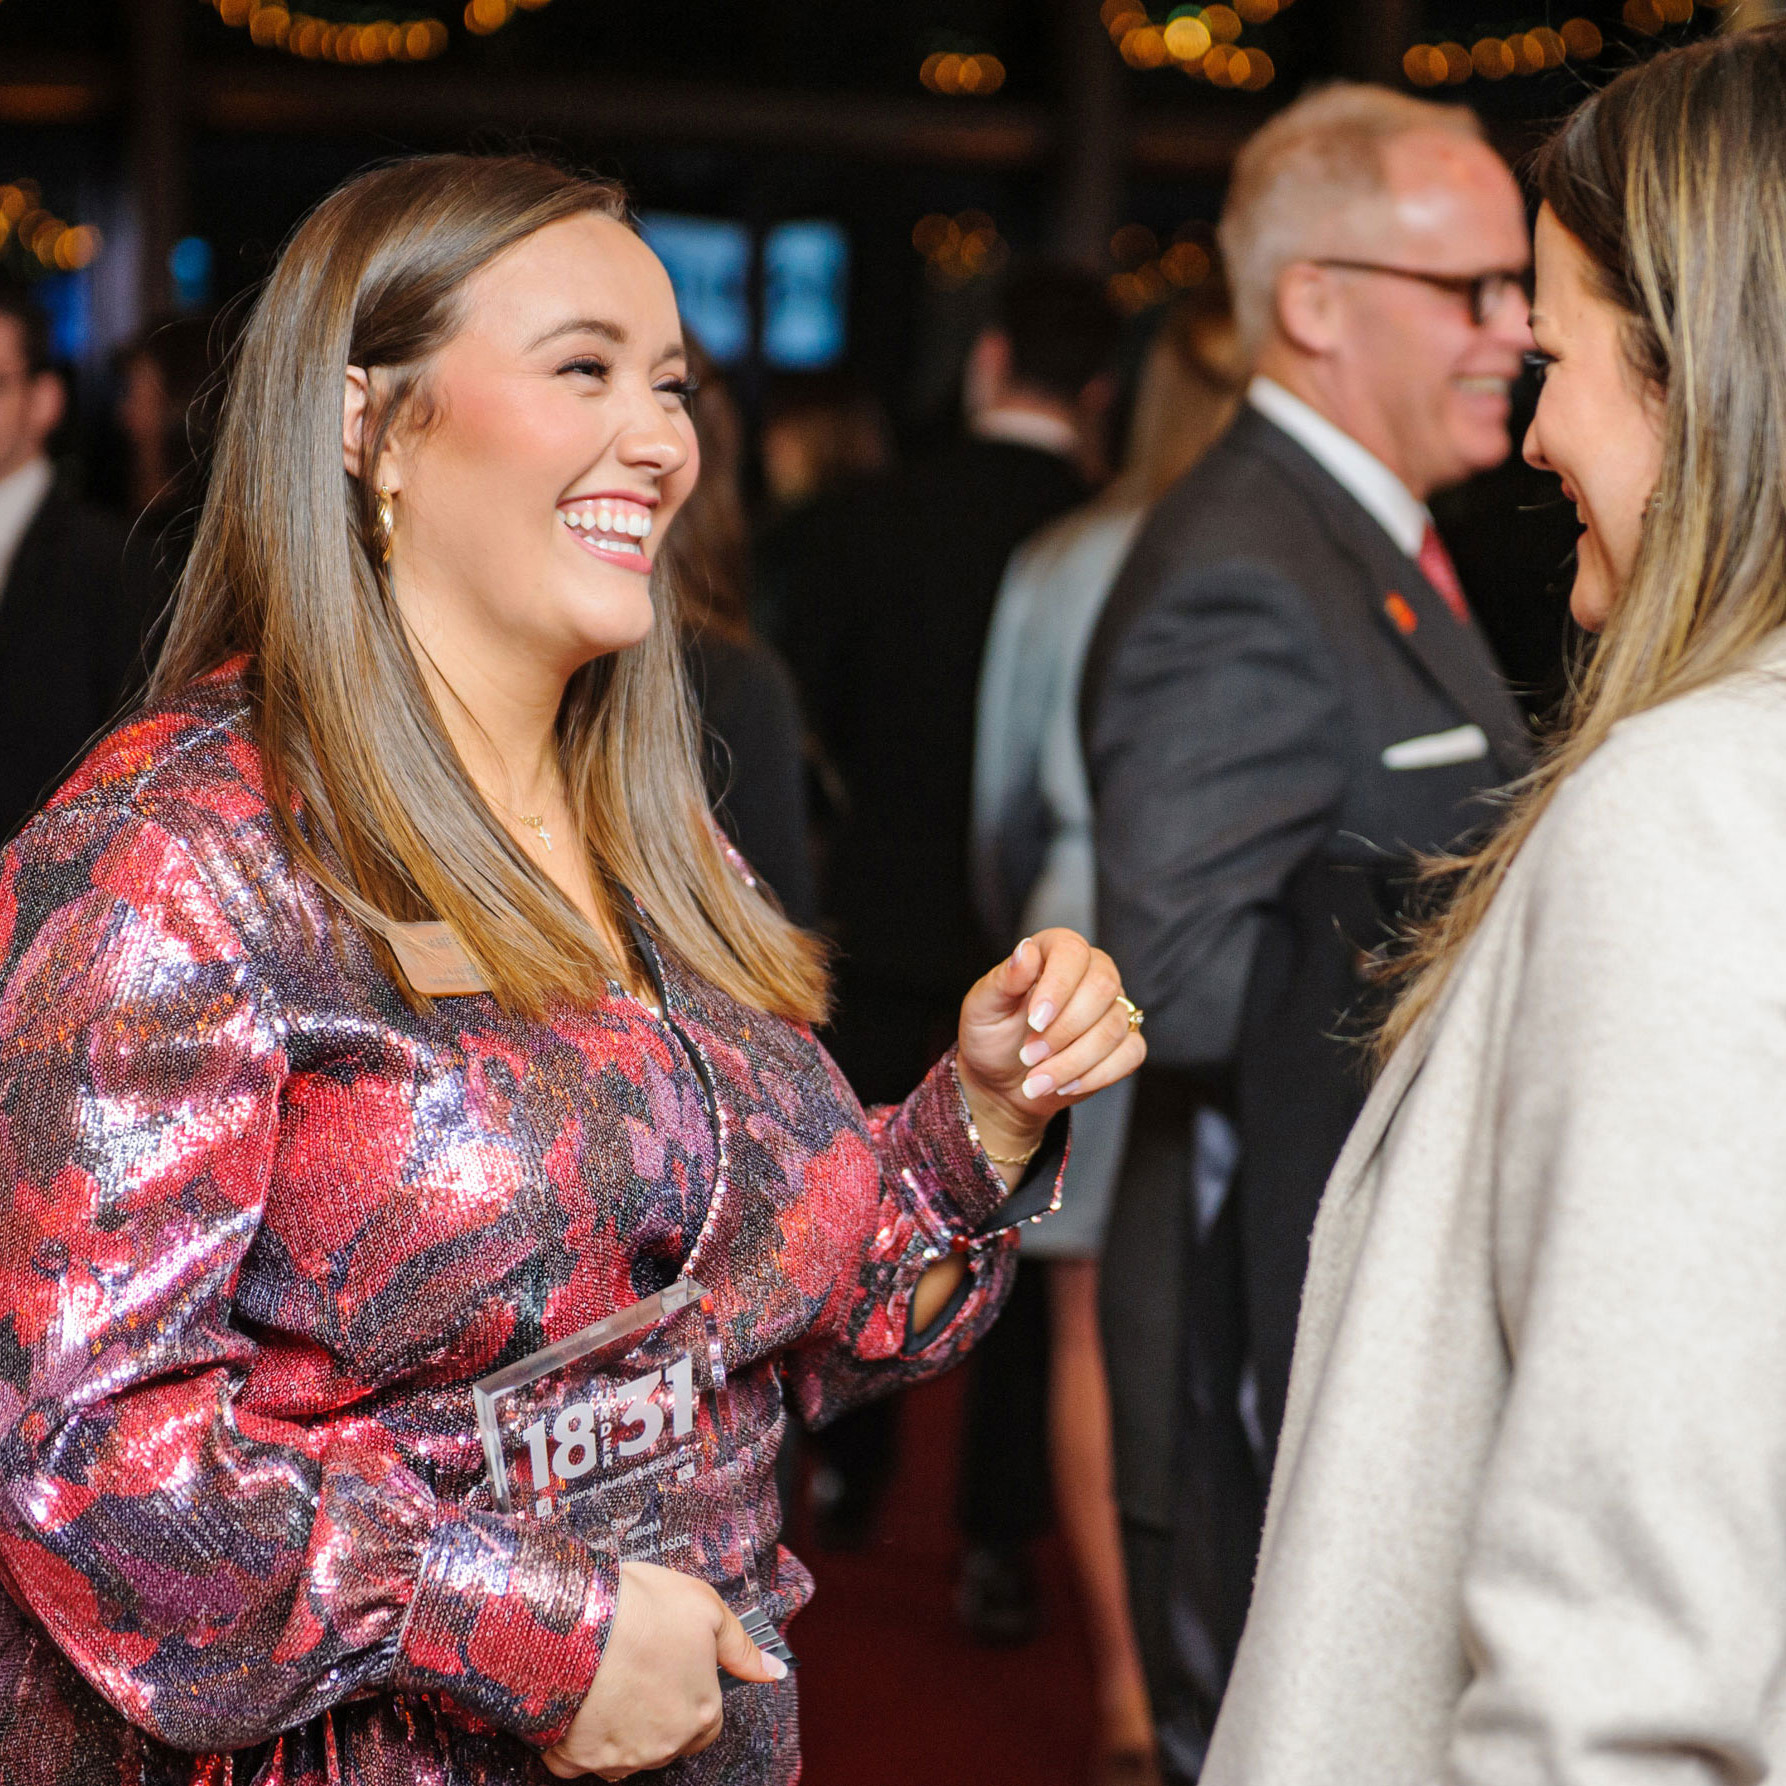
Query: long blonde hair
1673, 179
369, 794
1191, 384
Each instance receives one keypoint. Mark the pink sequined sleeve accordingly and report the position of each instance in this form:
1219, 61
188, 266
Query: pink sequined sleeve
217, 1575
938, 1195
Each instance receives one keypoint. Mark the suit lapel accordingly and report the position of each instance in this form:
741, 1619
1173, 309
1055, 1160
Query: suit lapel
1456, 657
38, 549
1406, 606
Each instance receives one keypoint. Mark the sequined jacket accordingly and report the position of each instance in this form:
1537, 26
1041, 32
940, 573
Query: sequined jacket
262, 1224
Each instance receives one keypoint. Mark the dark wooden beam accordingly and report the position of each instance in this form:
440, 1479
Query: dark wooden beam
39, 89
1373, 39
158, 131
1094, 146
288, 98
298, 98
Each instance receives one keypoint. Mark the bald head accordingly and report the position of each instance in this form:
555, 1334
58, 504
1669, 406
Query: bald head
1436, 187
1376, 245
1315, 181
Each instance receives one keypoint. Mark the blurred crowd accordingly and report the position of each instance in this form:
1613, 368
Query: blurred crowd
1133, 652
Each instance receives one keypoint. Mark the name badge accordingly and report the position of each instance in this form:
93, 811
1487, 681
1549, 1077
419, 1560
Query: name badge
433, 960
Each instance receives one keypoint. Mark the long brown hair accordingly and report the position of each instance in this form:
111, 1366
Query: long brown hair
1673, 180
366, 787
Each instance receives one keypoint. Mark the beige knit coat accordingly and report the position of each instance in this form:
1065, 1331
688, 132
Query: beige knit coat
1528, 1525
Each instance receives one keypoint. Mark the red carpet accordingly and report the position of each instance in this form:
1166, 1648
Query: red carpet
892, 1693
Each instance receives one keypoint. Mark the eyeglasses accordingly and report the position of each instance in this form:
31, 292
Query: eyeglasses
1486, 293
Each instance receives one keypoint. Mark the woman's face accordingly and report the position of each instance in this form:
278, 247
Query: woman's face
1598, 424
552, 448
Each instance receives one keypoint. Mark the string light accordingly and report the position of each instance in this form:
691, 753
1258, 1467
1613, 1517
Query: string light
274, 25
485, 16
1647, 17
1520, 53
959, 249
1200, 41
38, 239
1148, 274
947, 71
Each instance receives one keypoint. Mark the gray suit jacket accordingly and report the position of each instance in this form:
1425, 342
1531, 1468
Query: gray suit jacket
1279, 711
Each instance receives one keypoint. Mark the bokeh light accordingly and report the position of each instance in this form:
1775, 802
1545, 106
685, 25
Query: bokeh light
953, 73
1145, 47
1492, 58
359, 42
33, 239
957, 250
1187, 38
1201, 41
1523, 52
1145, 273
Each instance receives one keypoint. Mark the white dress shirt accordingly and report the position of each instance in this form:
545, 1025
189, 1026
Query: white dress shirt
21, 496
1379, 492
1027, 427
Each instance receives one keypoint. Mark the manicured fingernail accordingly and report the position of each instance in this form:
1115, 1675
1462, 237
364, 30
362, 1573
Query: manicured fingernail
1017, 953
1041, 1014
1067, 1091
1031, 1052
778, 1669
1038, 1085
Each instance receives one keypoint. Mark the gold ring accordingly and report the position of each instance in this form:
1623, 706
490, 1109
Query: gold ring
1137, 1016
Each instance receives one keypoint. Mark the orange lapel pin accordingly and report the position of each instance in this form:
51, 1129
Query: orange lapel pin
1406, 620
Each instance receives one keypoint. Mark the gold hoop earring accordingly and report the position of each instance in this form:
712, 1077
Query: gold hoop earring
386, 523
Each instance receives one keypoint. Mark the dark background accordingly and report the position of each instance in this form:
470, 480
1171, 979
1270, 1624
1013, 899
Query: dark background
159, 121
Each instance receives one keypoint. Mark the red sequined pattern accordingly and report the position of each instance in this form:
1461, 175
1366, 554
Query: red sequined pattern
261, 1227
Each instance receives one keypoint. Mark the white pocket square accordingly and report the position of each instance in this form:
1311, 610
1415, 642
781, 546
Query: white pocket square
1462, 744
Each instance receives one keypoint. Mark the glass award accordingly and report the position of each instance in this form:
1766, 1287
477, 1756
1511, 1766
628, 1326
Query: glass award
623, 1432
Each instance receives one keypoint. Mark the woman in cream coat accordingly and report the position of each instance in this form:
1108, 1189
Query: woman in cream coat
1529, 1517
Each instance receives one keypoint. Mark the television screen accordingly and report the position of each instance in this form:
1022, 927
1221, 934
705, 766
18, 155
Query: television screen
806, 293
708, 260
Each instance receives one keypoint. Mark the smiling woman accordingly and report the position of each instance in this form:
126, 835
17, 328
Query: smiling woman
1525, 1450
503, 422
270, 1212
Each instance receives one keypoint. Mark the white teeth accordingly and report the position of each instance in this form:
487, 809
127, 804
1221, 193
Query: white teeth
617, 529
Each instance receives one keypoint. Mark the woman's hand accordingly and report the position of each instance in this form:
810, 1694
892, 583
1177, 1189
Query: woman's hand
656, 1694
1045, 1029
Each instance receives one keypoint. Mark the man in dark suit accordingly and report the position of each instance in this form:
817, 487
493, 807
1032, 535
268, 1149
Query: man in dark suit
1286, 699
69, 634
884, 624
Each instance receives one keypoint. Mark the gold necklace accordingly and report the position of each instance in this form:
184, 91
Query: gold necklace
534, 821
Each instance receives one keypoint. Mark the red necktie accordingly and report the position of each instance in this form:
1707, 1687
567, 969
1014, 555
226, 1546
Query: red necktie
1436, 566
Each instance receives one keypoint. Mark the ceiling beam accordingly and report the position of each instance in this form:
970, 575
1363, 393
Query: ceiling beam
288, 98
